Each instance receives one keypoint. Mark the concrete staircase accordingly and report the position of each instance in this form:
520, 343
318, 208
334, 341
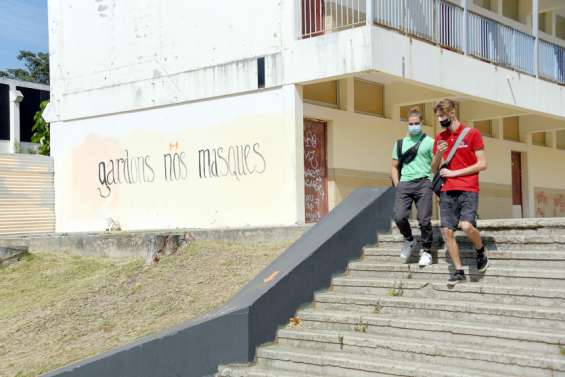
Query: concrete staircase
384, 318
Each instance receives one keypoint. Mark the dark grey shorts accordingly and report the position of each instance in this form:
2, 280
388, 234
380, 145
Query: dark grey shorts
456, 206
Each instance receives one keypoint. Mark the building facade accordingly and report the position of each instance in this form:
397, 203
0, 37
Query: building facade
224, 114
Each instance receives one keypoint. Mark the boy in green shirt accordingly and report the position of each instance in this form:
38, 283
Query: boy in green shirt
413, 182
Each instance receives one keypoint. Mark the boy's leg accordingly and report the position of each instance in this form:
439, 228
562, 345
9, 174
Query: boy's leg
469, 203
424, 199
402, 207
450, 211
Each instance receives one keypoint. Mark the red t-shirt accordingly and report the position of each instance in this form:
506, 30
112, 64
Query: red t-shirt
464, 157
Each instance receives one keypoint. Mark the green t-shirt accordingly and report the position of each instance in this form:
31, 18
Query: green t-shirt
421, 166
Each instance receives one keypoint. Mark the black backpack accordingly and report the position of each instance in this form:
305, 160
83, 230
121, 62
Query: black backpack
408, 156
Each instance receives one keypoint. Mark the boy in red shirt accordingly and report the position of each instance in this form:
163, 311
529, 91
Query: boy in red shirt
459, 198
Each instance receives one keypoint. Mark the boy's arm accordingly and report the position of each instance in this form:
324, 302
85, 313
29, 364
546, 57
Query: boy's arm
477, 167
394, 172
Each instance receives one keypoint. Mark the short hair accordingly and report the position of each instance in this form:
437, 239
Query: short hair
415, 112
445, 106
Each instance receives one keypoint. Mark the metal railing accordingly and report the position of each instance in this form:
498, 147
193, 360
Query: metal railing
441, 22
551, 62
500, 44
321, 16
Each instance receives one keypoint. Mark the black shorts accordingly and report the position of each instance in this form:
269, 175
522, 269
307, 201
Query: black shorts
456, 206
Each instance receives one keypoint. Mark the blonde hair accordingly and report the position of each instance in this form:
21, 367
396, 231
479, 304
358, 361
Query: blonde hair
415, 112
445, 107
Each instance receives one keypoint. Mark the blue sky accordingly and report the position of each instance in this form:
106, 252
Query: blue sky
23, 26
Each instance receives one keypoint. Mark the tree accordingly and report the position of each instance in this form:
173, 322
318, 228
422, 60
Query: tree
41, 133
36, 68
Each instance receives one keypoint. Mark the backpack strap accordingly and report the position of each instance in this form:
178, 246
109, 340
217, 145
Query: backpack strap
456, 145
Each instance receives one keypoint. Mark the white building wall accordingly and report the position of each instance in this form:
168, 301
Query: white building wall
113, 56
259, 187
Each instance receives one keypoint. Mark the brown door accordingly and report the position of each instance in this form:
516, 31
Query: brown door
516, 179
312, 17
315, 170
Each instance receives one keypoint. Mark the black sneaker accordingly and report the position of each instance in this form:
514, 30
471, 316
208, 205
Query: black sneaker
482, 261
457, 277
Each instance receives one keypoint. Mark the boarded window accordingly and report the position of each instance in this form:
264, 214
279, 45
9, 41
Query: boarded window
539, 138
404, 110
511, 128
544, 21
560, 27
369, 97
487, 4
324, 93
28, 107
561, 139
484, 127
4, 112
510, 9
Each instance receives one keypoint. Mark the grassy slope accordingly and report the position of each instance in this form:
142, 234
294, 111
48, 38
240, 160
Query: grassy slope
57, 308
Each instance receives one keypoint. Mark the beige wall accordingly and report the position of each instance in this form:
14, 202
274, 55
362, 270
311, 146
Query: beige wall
359, 154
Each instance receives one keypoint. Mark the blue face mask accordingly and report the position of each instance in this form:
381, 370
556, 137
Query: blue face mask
415, 129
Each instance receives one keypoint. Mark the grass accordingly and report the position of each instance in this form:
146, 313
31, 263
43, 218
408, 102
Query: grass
57, 308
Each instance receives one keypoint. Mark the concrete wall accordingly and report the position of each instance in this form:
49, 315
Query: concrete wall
148, 53
144, 169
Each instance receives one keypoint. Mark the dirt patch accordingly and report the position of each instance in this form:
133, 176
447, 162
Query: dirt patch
57, 308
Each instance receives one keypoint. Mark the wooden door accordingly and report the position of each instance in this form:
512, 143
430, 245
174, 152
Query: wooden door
517, 180
315, 170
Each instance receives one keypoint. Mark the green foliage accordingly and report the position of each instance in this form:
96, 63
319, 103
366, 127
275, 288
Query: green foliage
41, 132
36, 68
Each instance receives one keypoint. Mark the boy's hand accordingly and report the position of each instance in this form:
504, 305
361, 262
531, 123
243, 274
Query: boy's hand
446, 173
442, 146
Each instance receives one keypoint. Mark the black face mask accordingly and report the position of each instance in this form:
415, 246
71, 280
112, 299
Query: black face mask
445, 123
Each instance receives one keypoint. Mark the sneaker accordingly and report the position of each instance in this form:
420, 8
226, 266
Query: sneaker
425, 258
406, 251
457, 277
482, 261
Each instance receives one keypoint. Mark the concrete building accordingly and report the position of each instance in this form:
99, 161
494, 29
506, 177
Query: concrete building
19, 101
263, 112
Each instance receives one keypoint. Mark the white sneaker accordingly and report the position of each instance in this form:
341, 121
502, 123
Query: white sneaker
406, 250
425, 259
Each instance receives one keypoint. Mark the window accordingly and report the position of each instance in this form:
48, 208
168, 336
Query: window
28, 107
4, 112
510, 9
561, 139
487, 4
560, 27
323, 93
369, 97
404, 110
544, 21
538, 138
484, 127
511, 128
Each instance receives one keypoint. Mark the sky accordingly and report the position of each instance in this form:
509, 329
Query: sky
23, 26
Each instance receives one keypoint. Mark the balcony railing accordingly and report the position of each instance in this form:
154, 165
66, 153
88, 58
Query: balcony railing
442, 23
321, 16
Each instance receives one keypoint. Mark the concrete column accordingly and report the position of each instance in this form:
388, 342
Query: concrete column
350, 94
535, 32
295, 121
15, 98
465, 26
369, 12
552, 142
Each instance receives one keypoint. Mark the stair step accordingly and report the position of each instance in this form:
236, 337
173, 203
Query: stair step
346, 364
495, 274
255, 371
411, 349
448, 330
448, 309
549, 255
479, 292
